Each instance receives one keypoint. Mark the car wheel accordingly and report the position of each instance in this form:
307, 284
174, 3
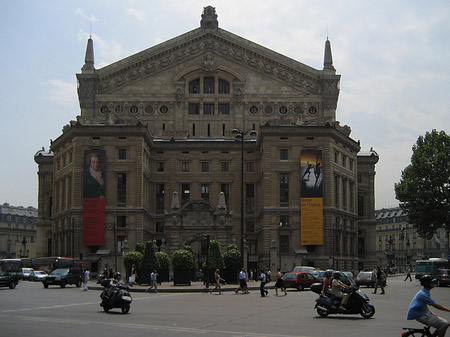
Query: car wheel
45, 285
125, 309
367, 310
12, 285
300, 287
63, 284
322, 312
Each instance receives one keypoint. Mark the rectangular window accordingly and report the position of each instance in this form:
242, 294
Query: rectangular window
205, 166
208, 109
360, 205
224, 109
205, 192
209, 130
250, 227
122, 154
250, 198
284, 243
344, 193
185, 166
194, 108
225, 166
159, 227
121, 187
185, 193
283, 154
284, 220
250, 166
159, 198
336, 191
193, 129
224, 87
208, 85
121, 221
160, 166
284, 187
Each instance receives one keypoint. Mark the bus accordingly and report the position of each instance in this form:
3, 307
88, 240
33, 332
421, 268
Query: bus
12, 267
424, 267
49, 263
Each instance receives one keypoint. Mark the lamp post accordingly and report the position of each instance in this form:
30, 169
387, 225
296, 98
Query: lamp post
240, 136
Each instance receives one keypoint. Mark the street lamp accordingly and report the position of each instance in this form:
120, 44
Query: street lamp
240, 136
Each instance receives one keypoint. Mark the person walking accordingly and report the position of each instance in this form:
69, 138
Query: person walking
153, 281
408, 275
217, 278
279, 283
85, 279
379, 282
418, 309
242, 281
263, 279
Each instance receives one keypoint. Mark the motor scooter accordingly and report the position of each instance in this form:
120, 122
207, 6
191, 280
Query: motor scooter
358, 302
115, 295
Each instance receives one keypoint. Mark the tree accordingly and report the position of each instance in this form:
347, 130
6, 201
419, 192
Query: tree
148, 263
182, 259
162, 261
130, 258
232, 258
424, 188
215, 256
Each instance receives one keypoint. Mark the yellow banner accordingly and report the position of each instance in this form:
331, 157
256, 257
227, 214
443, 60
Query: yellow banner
311, 221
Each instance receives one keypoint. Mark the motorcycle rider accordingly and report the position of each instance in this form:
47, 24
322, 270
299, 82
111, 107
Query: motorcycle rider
418, 309
337, 286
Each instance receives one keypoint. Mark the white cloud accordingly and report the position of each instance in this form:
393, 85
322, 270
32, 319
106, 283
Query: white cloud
136, 14
90, 18
62, 93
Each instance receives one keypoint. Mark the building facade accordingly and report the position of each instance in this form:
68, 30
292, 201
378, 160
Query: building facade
157, 129
399, 245
17, 231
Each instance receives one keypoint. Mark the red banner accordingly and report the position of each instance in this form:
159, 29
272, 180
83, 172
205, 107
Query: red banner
93, 221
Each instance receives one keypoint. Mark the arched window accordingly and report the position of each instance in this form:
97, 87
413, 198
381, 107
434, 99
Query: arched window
194, 86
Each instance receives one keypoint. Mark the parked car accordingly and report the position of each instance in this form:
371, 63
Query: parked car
62, 277
39, 275
299, 280
7, 280
305, 269
442, 276
27, 273
366, 278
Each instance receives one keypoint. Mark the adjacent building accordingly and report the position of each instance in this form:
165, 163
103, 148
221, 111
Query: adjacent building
17, 231
153, 155
399, 245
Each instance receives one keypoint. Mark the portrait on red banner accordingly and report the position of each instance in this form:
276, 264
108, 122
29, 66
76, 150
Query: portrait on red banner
94, 174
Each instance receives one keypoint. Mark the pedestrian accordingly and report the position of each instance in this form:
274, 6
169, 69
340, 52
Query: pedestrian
418, 309
85, 279
408, 275
279, 283
242, 281
153, 281
263, 279
379, 281
217, 278
133, 275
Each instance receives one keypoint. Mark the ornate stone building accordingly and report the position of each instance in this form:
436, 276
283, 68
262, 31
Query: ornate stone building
160, 123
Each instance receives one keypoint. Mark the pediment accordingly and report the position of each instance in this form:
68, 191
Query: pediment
214, 48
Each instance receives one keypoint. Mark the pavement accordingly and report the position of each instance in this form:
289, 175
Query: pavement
195, 287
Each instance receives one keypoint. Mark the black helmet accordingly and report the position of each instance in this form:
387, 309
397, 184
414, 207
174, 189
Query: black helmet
328, 273
337, 275
426, 280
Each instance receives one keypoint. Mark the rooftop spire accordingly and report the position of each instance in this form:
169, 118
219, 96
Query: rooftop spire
209, 18
328, 59
89, 58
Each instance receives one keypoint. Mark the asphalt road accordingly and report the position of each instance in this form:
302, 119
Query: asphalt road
31, 310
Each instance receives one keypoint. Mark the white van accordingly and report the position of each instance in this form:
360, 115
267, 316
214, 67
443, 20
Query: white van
304, 269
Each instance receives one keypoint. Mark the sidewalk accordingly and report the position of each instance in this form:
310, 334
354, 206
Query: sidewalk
195, 287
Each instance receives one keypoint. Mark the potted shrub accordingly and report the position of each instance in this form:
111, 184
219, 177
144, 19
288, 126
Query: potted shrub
130, 258
163, 264
182, 263
148, 263
232, 261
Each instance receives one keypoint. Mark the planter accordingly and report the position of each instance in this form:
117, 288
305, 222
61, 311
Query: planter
163, 276
182, 277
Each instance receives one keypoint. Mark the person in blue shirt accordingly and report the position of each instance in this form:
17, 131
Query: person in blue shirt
418, 309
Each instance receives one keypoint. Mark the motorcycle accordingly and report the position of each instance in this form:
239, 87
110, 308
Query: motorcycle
358, 302
115, 295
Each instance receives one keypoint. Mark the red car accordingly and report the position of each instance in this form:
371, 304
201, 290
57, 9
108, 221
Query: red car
299, 280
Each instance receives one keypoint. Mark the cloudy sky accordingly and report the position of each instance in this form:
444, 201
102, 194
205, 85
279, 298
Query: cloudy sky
393, 57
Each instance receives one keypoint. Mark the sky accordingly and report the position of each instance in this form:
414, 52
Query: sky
393, 58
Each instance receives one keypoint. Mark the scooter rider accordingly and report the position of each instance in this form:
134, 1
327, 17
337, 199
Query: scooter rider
418, 309
337, 286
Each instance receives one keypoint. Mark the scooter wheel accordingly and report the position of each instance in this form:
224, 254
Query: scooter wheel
125, 309
322, 312
106, 309
367, 310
